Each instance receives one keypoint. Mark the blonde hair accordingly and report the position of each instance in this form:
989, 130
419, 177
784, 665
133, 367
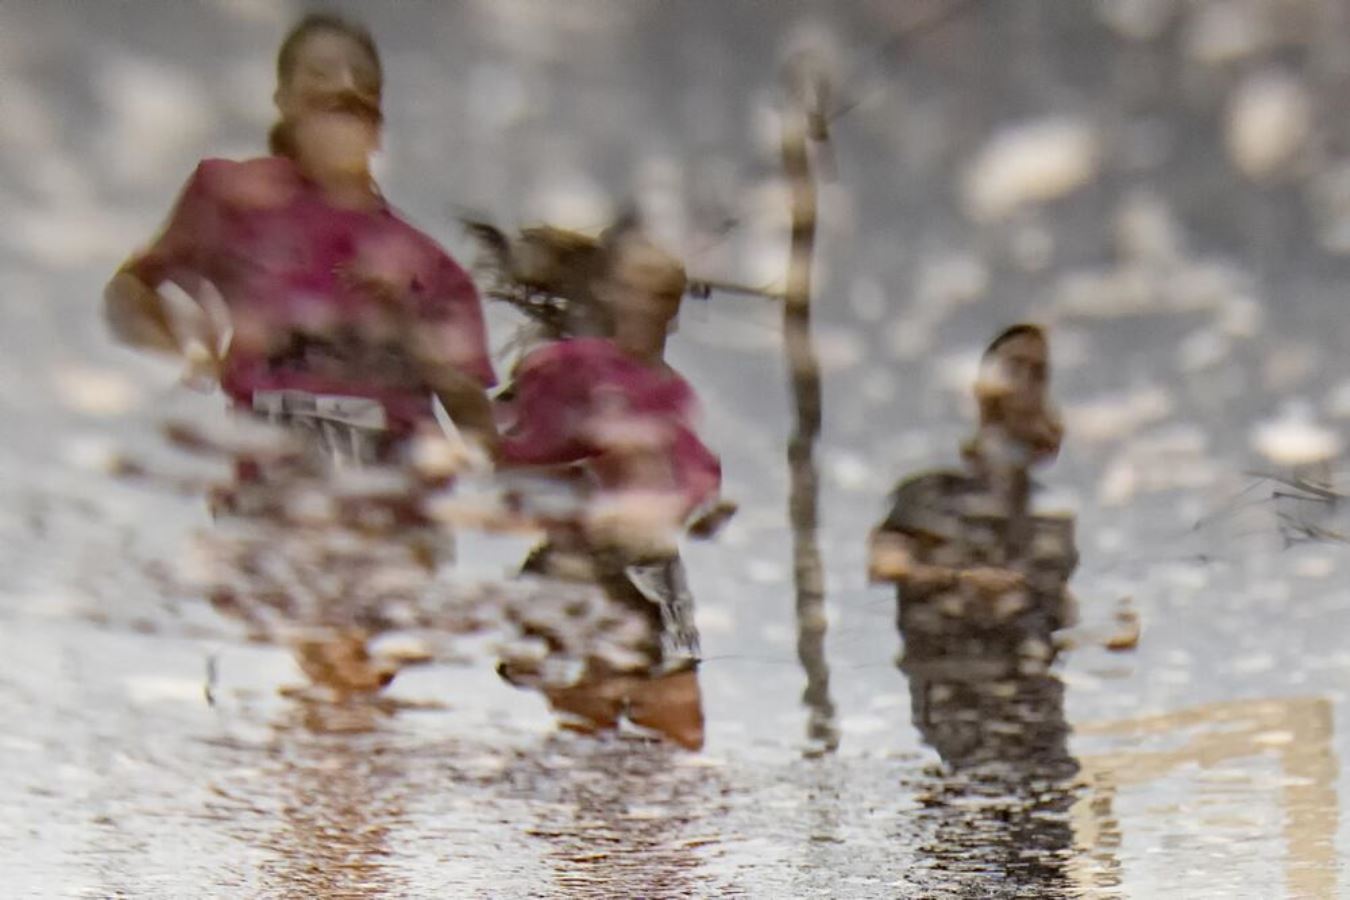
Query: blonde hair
648, 267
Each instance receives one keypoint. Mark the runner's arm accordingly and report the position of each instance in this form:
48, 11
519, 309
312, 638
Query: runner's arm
466, 402
450, 346
136, 314
891, 559
135, 310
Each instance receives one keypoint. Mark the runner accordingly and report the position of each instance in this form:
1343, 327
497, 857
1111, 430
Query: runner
343, 319
610, 414
340, 310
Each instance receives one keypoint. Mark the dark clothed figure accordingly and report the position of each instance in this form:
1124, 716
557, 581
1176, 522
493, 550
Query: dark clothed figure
982, 586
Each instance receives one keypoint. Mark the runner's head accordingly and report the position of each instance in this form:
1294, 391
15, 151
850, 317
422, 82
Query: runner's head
1012, 390
329, 86
642, 286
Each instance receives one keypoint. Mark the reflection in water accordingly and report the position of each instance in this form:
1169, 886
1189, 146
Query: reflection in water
982, 584
1310, 504
1006, 715
315, 307
1298, 732
651, 690
310, 298
342, 798
322, 804
333, 528
808, 572
606, 417
622, 818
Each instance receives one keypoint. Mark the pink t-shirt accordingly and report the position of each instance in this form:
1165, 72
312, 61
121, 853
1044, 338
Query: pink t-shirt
295, 273
577, 400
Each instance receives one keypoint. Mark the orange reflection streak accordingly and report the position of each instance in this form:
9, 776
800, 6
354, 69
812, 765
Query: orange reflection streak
1299, 729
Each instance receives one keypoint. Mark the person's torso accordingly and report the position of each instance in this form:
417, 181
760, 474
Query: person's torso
595, 398
959, 521
294, 272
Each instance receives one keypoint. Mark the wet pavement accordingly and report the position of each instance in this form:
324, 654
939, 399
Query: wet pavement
148, 747
125, 781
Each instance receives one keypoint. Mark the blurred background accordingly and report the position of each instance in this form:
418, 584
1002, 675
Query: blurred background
1165, 185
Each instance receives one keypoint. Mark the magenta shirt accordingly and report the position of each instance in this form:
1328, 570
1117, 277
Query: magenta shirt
287, 263
571, 396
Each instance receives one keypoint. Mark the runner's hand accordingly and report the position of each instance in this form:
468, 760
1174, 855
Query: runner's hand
201, 371
707, 525
991, 579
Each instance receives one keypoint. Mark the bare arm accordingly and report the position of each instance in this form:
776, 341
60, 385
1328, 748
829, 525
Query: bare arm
137, 316
142, 318
135, 310
891, 559
448, 340
466, 402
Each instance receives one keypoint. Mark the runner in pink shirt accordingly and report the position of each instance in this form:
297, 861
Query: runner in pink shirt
330, 293
612, 413
343, 322
627, 420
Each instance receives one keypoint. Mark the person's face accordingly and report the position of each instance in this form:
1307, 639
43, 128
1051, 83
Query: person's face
641, 289
331, 98
1026, 372
1013, 383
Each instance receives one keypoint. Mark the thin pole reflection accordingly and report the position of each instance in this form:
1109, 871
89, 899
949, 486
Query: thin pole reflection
801, 124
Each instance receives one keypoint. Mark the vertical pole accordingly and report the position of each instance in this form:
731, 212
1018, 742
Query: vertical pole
801, 124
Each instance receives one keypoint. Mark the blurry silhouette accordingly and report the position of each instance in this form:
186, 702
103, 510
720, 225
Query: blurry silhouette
982, 581
320, 310
342, 319
610, 419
